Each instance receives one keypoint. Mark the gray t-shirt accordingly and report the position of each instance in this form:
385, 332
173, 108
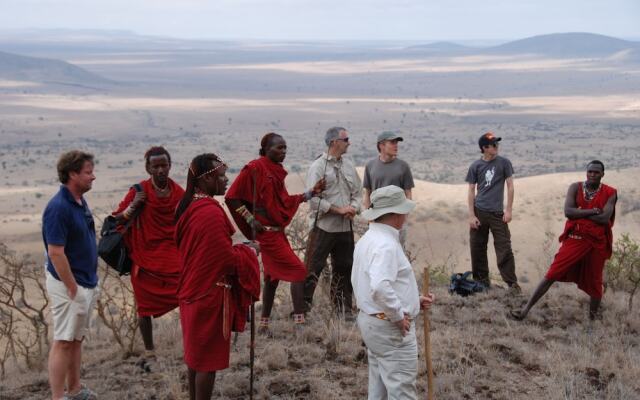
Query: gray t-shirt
379, 174
489, 177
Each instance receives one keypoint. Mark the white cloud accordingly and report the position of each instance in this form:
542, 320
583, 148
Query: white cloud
330, 19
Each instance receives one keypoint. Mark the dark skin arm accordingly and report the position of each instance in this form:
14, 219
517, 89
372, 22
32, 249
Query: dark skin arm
235, 204
599, 216
605, 214
135, 203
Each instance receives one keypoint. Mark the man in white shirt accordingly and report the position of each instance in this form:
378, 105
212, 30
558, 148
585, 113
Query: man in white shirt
387, 296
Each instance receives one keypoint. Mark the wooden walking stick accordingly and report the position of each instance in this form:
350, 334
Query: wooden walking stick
252, 351
312, 237
427, 337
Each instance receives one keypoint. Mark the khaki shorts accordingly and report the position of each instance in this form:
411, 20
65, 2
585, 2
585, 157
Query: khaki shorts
71, 318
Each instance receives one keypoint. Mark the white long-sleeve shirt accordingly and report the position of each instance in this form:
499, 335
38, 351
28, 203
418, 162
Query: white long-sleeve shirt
382, 277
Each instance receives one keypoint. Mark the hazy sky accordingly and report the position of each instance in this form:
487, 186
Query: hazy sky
331, 19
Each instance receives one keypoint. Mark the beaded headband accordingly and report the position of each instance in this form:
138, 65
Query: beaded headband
222, 164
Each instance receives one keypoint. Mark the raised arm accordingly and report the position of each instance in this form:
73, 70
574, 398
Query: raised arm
131, 202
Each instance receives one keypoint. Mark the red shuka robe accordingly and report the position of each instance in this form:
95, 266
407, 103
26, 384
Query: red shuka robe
154, 275
218, 282
272, 199
585, 247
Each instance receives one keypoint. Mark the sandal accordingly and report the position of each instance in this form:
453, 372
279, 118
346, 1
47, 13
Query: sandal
517, 315
84, 394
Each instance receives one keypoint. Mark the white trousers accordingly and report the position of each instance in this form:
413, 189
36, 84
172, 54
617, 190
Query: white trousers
393, 359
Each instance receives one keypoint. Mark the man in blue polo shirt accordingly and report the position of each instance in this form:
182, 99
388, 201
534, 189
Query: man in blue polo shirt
69, 238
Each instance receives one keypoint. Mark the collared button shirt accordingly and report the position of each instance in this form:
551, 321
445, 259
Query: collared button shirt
344, 187
65, 222
382, 277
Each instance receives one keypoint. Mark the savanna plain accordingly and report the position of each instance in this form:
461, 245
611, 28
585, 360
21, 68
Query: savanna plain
120, 93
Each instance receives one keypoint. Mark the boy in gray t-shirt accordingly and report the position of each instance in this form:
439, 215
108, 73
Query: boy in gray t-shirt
387, 169
379, 174
486, 178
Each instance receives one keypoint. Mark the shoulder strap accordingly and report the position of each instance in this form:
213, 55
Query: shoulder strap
138, 188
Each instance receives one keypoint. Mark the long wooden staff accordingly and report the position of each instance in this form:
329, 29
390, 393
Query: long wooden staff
324, 171
252, 351
311, 239
427, 337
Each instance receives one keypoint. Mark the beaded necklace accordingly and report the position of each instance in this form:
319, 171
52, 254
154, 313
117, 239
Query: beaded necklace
590, 194
161, 191
200, 195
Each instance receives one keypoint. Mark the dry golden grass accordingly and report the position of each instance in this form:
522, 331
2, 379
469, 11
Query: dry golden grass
478, 353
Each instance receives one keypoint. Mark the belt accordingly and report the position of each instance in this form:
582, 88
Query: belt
383, 316
272, 228
226, 322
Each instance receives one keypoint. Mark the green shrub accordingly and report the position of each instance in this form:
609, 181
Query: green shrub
622, 271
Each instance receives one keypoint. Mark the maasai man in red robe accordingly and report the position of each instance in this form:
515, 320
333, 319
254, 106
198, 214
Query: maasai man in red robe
261, 182
218, 280
587, 240
150, 242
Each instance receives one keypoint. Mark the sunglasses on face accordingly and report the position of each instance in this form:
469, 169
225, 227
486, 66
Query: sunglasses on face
495, 145
346, 140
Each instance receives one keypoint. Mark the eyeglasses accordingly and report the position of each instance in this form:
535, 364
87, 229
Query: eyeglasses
346, 140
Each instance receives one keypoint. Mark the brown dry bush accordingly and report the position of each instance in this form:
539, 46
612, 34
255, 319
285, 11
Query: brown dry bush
116, 307
7, 330
24, 330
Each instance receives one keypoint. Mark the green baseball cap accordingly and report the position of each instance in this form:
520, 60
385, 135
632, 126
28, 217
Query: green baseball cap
388, 135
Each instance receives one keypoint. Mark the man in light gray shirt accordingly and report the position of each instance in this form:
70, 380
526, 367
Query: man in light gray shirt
332, 220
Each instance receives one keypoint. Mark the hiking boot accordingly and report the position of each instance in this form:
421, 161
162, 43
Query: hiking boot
147, 362
515, 289
349, 317
83, 394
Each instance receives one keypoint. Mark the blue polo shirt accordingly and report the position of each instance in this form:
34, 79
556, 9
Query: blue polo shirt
69, 224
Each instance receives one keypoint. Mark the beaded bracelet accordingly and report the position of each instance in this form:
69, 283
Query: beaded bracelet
244, 213
128, 212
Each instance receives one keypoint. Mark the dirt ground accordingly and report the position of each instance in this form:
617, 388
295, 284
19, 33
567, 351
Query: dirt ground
478, 353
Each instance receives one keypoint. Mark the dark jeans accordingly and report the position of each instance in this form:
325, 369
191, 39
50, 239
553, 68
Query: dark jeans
340, 246
478, 239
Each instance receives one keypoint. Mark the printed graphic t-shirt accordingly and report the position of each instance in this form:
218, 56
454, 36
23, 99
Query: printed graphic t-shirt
489, 176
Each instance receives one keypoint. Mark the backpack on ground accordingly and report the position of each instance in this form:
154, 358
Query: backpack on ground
111, 246
464, 286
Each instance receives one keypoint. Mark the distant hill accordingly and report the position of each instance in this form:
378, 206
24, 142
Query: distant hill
441, 47
23, 68
563, 45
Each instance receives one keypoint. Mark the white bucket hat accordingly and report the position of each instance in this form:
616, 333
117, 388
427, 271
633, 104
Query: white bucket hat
388, 200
